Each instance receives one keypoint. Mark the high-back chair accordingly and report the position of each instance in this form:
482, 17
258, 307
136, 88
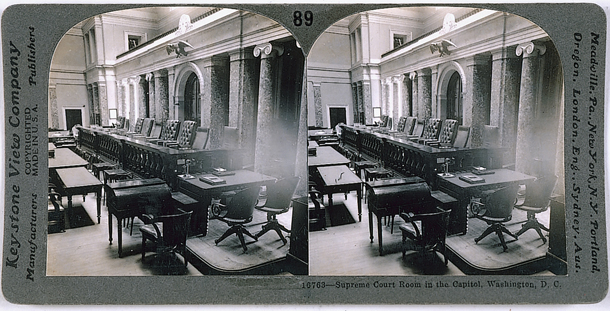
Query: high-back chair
431, 130
201, 138
461, 138
147, 126
277, 201
170, 132
185, 137
230, 137
168, 232
410, 125
137, 129
537, 200
426, 231
491, 136
496, 208
402, 121
446, 135
235, 213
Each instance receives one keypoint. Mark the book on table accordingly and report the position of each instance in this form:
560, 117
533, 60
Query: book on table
472, 179
212, 180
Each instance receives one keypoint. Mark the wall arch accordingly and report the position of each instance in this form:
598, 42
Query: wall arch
183, 72
445, 71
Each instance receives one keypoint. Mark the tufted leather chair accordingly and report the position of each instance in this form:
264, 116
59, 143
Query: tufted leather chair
137, 128
432, 129
170, 132
410, 125
401, 124
185, 136
447, 134
147, 126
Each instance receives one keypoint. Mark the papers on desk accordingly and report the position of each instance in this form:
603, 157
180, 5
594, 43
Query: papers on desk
472, 179
479, 170
223, 173
213, 180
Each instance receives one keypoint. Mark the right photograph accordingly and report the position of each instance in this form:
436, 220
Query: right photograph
435, 145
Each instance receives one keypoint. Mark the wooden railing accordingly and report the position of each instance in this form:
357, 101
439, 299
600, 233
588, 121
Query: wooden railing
410, 158
148, 160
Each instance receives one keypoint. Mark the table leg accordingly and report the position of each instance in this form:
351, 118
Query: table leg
120, 236
379, 239
359, 195
70, 207
371, 225
110, 227
99, 204
330, 199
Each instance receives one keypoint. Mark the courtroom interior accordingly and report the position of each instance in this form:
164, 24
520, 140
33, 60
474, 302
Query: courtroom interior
174, 146
435, 145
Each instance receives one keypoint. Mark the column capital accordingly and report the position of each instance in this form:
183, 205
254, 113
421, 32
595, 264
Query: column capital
398, 78
124, 81
387, 81
160, 73
424, 72
528, 49
241, 54
150, 76
412, 75
266, 50
504, 53
136, 79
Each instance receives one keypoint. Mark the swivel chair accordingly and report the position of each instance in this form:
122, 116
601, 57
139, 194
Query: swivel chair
537, 200
277, 201
236, 212
496, 208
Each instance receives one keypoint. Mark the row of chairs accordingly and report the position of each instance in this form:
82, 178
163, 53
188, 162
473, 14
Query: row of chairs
173, 133
433, 132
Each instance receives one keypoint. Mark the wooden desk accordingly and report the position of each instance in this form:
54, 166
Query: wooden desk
326, 156
464, 191
78, 180
66, 158
204, 192
340, 179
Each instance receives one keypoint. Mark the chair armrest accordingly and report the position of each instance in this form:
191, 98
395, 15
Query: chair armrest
412, 218
147, 218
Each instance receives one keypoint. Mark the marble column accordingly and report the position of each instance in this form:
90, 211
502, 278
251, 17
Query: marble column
140, 83
215, 98
317, 101
132, 103
504, 103
103, 99
171, 78
96, 104
301, 154
424, 93
434, 103
161, 96
355, 108
243, 94
150, 79
359, 101
367, 102
123, 98
398, 99
476, 95
530, 69
406, 95
414, 95
265, 145
53, 110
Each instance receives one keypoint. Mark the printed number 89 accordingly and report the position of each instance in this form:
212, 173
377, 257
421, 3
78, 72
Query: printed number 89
298, 18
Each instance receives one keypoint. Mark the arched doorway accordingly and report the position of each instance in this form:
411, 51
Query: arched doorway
454, 98
192, 105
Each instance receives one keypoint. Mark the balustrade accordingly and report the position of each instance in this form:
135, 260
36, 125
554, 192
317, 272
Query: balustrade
149, 160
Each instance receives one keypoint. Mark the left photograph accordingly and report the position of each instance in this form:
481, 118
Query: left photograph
174, 146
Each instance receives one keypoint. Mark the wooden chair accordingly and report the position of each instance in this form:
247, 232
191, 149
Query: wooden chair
236, 212
277, 201
496, 208
426, 231
168, 232
537, 200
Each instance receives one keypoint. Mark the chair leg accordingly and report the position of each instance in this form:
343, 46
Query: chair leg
501, 237
143, 247
227, 233
485, 233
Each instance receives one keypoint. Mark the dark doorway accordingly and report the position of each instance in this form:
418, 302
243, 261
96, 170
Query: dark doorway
454, 98
73, 117
337, 115
191, 99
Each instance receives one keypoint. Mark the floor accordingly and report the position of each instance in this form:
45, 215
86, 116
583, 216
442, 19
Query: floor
347, 250
85, 251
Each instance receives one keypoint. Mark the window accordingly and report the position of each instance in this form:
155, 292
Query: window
133, 41
399, 39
